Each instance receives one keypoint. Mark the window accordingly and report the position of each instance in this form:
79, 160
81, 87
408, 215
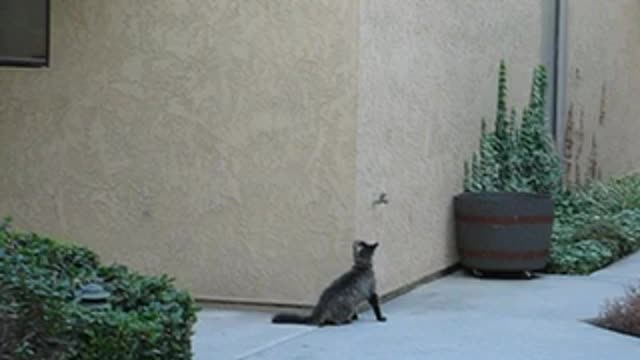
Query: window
24, 33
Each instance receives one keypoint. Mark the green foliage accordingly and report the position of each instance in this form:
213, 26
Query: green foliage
517, 156
582, 257
39, 319
595, 225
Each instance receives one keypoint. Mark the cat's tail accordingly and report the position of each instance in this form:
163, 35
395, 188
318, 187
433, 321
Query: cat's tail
286, 318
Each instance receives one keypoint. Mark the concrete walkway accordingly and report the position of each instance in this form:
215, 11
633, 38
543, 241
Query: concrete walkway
456, 317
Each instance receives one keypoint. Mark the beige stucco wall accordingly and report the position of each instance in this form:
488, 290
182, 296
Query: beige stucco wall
239, 145
212, 140
428, 72
603, 82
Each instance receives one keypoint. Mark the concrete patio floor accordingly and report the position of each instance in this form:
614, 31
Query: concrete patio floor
456, 317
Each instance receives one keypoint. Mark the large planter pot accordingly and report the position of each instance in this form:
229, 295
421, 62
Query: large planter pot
503, 231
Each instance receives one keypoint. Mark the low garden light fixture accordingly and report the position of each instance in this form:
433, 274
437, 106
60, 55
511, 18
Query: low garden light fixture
93, 296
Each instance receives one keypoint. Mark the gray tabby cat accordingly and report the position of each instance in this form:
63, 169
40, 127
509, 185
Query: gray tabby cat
339, 302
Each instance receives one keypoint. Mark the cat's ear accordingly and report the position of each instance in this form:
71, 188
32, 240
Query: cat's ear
357, 246
374, 245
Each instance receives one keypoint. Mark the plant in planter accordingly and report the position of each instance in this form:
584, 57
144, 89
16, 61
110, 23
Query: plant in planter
504, 217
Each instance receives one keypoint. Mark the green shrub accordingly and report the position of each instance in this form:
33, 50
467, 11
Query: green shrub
39, 319
596, 225
35, 316
581, 257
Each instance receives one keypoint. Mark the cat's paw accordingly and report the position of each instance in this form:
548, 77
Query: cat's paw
382, 319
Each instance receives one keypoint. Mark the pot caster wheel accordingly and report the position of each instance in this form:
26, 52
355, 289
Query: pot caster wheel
477, 273
528, 275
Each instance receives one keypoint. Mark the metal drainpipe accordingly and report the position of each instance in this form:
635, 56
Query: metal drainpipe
559, 102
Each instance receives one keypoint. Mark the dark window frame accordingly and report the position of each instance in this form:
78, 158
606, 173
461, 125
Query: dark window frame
33, 62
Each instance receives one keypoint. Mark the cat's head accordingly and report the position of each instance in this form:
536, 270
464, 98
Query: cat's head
363, 252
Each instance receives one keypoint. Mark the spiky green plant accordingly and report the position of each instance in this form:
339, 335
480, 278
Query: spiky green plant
539, 160
517, 157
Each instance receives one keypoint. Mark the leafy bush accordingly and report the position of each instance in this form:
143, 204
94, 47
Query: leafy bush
39, 319
581, 257
517, 156
622, 314
596, 225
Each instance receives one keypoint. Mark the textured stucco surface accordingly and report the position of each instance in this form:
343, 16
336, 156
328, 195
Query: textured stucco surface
239, 145
603, 82
428, 72
212, 140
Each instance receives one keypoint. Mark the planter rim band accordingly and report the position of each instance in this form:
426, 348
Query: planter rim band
506, 255
504, 220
